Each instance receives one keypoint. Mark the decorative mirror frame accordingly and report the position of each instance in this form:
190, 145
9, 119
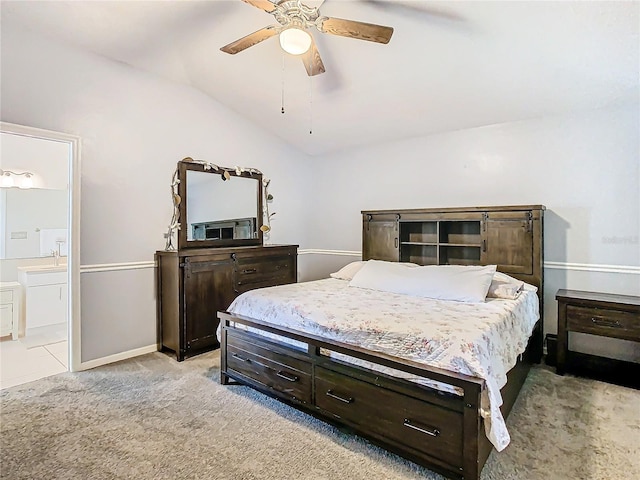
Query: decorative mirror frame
179, 222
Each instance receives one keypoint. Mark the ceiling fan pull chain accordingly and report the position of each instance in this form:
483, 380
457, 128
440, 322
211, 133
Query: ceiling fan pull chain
282, 84
310, 98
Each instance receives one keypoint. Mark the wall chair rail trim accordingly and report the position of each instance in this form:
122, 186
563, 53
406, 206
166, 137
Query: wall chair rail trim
593, 267
111, 267
318, 251
588, 267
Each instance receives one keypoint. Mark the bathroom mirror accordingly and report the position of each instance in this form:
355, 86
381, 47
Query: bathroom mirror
218, 206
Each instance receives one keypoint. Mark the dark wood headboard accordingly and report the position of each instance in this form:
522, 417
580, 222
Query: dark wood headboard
510, 237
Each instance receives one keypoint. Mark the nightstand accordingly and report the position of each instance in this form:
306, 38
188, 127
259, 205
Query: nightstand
601, 314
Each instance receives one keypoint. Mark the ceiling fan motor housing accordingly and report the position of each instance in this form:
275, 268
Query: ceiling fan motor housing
293, 13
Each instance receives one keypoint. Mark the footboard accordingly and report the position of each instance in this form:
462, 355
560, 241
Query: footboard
442, 431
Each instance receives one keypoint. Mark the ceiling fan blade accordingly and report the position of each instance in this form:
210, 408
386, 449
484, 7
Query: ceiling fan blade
251, 40
265, 5
359, 30
312, 61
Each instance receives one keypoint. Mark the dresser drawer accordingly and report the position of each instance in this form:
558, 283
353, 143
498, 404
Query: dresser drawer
264, 271
605, 322
6, 296
6, 318
288, 375
392, 416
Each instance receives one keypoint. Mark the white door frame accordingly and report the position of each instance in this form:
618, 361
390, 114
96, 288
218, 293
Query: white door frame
73, 259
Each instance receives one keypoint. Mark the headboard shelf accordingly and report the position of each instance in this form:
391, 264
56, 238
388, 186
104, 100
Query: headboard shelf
510, 237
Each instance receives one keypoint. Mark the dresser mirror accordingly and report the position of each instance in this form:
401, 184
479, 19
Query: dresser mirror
218, 206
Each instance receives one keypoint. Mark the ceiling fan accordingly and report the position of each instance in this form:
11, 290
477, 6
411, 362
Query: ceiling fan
294, 19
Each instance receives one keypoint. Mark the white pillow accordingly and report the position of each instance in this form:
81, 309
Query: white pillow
502, 289
442, 282
505, 286
348, 271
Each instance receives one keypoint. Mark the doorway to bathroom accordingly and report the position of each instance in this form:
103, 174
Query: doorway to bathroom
39, 254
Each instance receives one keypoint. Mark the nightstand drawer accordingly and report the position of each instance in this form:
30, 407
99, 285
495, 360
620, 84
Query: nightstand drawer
605, 322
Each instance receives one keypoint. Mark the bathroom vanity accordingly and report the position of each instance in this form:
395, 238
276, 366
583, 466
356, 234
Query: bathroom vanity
44, 295
10, 296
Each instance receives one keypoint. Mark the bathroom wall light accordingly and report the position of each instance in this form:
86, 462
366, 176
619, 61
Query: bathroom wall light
8, 179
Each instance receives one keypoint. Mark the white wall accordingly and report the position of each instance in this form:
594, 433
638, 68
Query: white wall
134, 128
584, 167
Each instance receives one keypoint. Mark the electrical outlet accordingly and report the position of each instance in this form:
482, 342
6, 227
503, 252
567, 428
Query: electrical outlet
18, 235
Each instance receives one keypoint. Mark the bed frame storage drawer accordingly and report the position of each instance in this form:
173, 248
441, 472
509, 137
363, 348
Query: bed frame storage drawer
389, 415
288, 376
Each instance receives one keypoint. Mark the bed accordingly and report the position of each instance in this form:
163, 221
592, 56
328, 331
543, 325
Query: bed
388, 365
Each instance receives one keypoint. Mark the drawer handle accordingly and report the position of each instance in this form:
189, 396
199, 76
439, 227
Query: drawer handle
434, 432
286, 376
337, 397
249, 270
242, 359
605, 323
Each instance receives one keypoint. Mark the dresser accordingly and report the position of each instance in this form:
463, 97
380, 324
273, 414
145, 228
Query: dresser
193, 284
600, 314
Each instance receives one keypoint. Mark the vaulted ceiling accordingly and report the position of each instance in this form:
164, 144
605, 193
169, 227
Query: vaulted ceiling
449, 65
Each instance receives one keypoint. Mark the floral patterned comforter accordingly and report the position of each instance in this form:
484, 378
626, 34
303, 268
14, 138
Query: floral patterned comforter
482, 340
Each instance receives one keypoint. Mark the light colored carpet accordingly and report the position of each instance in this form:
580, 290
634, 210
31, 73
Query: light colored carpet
154, 418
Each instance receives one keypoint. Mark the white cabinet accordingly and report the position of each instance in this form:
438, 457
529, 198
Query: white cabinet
9, 309
45, 295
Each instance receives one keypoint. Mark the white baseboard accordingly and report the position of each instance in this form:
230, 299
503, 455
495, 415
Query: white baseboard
98, 362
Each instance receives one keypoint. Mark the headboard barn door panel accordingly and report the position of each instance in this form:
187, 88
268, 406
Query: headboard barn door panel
380, 237
508, 242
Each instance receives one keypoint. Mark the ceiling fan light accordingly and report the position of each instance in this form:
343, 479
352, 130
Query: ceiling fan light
295, 41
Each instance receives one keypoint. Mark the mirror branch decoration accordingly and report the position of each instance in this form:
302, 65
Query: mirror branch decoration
174, 226
268, 198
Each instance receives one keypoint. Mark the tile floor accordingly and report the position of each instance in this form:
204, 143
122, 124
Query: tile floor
39, 354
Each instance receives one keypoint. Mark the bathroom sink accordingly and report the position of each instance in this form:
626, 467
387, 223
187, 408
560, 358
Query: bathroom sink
43, 268
38, 275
